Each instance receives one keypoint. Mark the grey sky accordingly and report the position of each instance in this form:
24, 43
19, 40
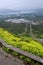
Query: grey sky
21, 4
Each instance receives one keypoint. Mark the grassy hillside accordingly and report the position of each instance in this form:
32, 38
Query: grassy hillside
24, 42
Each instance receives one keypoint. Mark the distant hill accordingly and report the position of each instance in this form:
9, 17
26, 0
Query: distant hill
40, 11
9, 11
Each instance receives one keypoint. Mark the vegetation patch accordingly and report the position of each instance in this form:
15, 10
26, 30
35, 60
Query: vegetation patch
23, 42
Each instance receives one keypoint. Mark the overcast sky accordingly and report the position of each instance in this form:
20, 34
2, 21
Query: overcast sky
21, 4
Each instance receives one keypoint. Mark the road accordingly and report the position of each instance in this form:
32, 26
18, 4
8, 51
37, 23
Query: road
7, 59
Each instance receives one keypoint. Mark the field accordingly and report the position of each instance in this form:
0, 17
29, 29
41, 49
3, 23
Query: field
38, 31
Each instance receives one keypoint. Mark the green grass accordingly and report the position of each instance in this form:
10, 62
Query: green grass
24, 42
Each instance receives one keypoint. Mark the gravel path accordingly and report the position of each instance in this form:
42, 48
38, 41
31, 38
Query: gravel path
7, 59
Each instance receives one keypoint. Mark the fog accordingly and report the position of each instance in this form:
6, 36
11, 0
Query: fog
21, 4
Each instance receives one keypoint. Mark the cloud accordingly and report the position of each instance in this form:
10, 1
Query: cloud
21, 4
